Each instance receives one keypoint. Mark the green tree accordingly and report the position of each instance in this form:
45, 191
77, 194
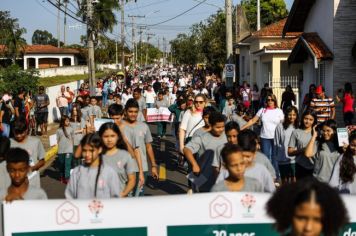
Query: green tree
11, 35
43, 37
105, 50
185, 49
213, 40
271, 11
104, 18
13, 77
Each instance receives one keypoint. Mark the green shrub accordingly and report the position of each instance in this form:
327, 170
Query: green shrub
13, 77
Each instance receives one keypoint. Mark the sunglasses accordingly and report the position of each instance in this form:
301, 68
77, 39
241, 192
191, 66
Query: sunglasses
268, 100
199, 102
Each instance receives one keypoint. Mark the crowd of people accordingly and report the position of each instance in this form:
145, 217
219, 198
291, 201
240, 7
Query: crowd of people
228, 139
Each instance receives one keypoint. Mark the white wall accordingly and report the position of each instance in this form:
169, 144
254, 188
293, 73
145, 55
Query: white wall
321, 20
66, 70
309, 77
53, 111
245, 72
73, 70
107, 66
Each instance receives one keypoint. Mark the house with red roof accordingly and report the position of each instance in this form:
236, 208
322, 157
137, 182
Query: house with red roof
45, 56
327, 48
264, 56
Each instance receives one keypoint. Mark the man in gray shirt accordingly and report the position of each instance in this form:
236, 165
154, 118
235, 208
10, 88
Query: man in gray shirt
41, 112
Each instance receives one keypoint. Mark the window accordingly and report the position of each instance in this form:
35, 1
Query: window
243, 67
321, 74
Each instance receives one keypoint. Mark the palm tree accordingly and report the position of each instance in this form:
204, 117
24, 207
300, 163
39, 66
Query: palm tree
11, 35
104, 18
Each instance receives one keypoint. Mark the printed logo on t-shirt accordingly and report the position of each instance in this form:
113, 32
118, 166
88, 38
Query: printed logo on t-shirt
119, 164
101, 183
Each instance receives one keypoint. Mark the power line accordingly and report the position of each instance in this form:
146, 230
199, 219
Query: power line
209, 4
75, 7
148, 5
179, 14
59, 8
54, 14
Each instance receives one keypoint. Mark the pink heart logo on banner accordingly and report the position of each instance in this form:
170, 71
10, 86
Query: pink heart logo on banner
67, 215
220, 209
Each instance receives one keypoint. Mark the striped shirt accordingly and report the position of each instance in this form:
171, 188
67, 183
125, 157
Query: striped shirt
323, 108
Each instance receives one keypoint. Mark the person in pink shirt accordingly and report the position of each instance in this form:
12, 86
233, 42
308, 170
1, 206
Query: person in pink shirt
62, 101
348, 100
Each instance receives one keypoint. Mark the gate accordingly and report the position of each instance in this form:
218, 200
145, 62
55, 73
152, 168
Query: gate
279, 85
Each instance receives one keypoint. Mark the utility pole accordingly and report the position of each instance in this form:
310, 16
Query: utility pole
148, 43
258, 15
164, 51
159, 50
90, 35
65, 22
116, 56
59, 24
228, 9
133, 37
140, 32
123, 34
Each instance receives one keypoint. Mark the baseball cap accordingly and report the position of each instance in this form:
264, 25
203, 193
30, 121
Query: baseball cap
319, 89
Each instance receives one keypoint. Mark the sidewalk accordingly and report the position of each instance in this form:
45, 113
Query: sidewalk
51, 152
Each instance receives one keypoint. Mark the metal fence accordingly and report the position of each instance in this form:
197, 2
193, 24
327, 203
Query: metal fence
279, 85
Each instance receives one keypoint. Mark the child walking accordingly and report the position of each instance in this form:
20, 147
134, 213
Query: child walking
117, 157
65, 137
298, 142
93, 179
236, 181
18, 167
286, 163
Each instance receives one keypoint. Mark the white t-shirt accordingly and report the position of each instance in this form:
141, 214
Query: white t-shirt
270, 119
113, 86
125, 97
172, 98
150, 96
191, 122
182, 82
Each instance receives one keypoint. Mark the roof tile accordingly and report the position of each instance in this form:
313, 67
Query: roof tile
288, 44
44, 49
318, 46
273, 30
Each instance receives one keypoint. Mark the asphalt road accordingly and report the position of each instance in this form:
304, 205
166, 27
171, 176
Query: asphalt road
172, 178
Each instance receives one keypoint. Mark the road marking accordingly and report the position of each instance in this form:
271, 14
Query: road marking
162, 172
162, 147
51, 153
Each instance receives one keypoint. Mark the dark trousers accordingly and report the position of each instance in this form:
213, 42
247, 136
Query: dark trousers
301, 172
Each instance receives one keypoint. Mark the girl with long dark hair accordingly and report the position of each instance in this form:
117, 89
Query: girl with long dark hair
298, 142
65, 137
325, 149
117, 157
344, 172
93, 179
286, 163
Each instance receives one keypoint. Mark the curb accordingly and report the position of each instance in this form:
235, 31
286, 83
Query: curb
51, 153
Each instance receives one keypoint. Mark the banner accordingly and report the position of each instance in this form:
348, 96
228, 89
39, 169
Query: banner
210, 214
158, 115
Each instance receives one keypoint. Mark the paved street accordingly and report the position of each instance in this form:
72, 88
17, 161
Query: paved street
172, 179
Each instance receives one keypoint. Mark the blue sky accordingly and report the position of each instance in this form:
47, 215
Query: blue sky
39, 14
